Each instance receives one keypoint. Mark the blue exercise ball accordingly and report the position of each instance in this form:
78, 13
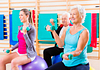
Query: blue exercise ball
56, 59
37, 64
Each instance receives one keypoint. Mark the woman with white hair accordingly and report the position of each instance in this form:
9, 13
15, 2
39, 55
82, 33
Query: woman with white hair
74, 40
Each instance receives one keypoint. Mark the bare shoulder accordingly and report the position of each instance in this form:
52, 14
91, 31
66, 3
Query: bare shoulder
65, 29
85, 32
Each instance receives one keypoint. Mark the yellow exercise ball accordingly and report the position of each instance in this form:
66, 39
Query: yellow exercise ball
91, 68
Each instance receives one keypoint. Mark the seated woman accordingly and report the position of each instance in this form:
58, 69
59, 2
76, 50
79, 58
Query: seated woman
74, 40
26, 50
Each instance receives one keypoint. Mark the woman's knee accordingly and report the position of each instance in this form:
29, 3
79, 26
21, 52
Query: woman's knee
2, 61
14, 63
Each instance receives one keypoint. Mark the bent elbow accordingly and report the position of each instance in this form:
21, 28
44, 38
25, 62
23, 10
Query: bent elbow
79, 52
60, 46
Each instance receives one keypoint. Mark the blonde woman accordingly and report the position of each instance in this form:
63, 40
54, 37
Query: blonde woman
26, 50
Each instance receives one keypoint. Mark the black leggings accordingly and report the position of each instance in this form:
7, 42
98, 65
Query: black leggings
52, 51
61, 66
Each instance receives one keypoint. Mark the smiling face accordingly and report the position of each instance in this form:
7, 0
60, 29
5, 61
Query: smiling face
75, 16
65, 20
23, 17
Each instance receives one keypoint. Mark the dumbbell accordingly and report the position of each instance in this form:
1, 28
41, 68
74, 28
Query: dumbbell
7, 51
27, 28
52, 27
70, 56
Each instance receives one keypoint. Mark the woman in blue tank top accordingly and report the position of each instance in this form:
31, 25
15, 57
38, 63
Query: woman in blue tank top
74, 40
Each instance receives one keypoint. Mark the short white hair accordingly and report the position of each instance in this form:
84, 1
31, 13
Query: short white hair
66, 13
81, 11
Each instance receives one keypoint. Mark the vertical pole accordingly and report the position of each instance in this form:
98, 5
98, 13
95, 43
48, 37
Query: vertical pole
37, 13
99, 32
66, 5
8, 21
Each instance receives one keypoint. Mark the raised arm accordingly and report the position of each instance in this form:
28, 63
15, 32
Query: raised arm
57, 31
30, 37
59, 41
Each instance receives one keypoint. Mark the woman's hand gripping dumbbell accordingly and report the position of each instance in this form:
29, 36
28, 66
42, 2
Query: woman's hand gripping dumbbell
66, 56
7, 50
